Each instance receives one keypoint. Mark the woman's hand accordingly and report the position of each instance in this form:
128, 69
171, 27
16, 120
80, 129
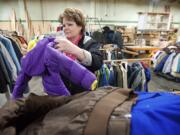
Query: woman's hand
64, 45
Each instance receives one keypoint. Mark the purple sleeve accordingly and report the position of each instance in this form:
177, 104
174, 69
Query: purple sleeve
54, 85
21, 85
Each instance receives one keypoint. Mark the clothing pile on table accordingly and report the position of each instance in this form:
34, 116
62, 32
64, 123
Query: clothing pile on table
105, 111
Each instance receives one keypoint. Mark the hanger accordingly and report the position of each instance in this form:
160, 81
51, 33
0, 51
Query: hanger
171, 48
112, 63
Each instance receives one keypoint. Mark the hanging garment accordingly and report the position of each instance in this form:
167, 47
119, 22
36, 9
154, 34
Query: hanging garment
22, 40
123, 66
16, 49
132, 73
7, 43
3, 81
48, 62
160, 57
178, 66
111, 77
139, 80
9, 62
159, 67
147, 75
32, 44
7, 69
119, 76
104, 76
136, 77
168, 63
115, 75
154, 58
174, 68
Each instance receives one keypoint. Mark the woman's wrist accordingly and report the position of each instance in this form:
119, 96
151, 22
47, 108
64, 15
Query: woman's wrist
86, 58
82, 55
78, 52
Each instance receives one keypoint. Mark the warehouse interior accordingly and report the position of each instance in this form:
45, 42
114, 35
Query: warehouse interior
122, 44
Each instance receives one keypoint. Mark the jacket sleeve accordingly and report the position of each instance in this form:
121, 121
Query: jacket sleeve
21, 85
93, 47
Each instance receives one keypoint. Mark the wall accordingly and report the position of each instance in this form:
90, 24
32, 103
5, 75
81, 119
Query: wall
112, 12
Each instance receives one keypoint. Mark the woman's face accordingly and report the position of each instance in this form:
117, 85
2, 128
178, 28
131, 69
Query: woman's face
71, 29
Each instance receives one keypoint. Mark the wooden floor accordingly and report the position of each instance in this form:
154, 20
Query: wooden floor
159, 83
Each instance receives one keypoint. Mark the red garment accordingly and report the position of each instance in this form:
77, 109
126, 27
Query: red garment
22, 40
145, 65
75, 42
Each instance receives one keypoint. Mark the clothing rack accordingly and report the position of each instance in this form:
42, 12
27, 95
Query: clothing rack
165, 63
125, 73
11, 54
146, 60
122, 50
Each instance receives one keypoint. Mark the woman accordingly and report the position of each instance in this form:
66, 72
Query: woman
76, 45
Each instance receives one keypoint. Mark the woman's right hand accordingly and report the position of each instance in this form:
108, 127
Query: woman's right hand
24, 49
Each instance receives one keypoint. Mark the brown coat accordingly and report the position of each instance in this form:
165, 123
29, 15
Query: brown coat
47, 115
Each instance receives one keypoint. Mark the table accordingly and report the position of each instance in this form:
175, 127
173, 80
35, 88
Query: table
144, 51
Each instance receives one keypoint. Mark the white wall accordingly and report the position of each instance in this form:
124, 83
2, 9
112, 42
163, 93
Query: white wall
108, 11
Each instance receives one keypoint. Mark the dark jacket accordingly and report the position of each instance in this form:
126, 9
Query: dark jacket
92, 46
4, 78
118, 39
108, 36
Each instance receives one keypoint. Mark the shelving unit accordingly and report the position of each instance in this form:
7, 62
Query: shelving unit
153, 26
150, 21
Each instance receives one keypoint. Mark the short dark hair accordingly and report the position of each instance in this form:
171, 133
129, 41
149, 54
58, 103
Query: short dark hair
75, 15
106, 28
